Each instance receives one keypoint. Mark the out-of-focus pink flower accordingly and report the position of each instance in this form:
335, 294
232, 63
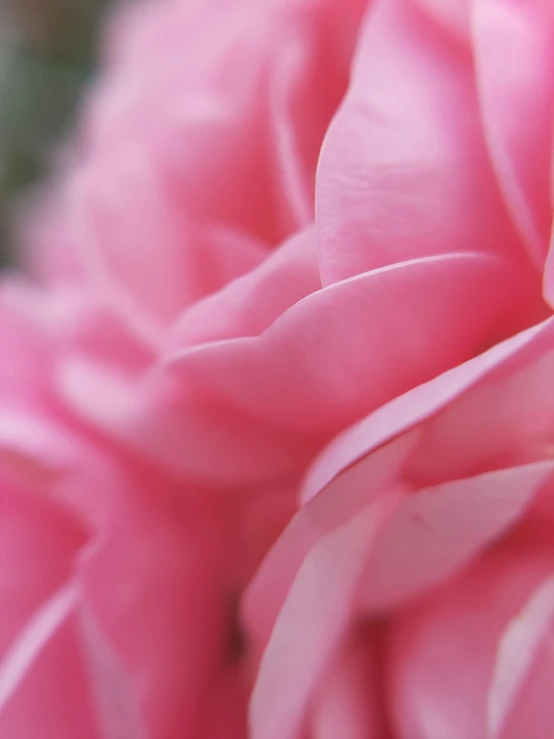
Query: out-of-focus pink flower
199, 145
284, 230
187, 171
120, 585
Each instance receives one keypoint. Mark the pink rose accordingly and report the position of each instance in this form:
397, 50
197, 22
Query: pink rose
285, 232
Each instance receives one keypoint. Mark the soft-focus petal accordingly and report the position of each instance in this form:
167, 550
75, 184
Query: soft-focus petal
181, 435
252, 303
151, 290
224, 715
453, 15
519, 700
349, 704
188, 168
43, 688
38, 541
117, 711
153, 586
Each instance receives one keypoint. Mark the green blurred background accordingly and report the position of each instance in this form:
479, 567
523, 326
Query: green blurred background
46, 55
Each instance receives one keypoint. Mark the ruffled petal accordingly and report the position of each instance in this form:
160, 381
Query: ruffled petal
250, 304
189, 167
344, 350
151, 290
408, 410
179, 434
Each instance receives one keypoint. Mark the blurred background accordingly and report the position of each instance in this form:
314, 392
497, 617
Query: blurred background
46, 56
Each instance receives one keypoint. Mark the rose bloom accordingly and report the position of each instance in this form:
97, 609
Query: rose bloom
275, 419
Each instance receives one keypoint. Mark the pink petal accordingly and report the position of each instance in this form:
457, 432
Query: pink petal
225, 711
526, 641
351, 347
286, 92
310, 625
153, 586
151, 291
34, 452
404, 172
38, 542
67, 317
503, 421
207, 134
25, 352
182, 435
32, 638
326, 513
57, 465
201, 161
442, 653
515, 66
453, 15
435, 532
260, 520
43, 690
249, 304
548, 277
421, 403
307, 79
44, 240
532, 716
116, 708
348, 705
